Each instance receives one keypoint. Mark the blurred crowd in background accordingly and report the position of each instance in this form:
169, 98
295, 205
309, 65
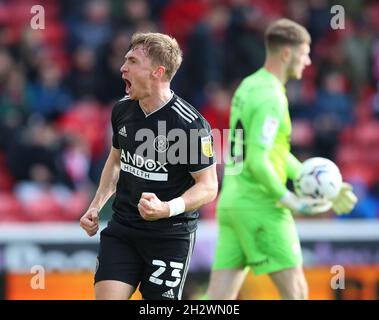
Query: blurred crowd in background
58, 86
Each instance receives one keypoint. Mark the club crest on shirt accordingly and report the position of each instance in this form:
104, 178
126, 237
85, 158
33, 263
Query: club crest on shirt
206, 146
269, 130
160, 143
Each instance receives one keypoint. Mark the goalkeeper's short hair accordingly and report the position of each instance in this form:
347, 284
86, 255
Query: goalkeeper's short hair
285, 32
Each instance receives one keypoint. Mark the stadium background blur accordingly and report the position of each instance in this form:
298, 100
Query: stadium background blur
58, 86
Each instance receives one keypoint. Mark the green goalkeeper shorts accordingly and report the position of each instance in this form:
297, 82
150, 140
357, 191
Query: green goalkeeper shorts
263, 238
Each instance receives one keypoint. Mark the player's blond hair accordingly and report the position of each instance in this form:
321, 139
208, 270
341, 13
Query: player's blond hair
162, 50
284, 32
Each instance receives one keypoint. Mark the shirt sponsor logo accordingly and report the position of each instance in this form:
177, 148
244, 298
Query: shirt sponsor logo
147, 169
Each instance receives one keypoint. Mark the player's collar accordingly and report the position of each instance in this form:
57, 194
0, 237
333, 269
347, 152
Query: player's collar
162, 106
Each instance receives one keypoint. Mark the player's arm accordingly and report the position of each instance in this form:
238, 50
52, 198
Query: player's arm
293, 166
111, 170
107, 186
205, 187
108, 180
263, 171
266, 175
203, 172
264, 125
202, 192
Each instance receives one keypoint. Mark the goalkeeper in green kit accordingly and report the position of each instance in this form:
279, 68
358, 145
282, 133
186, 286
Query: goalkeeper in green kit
254, 212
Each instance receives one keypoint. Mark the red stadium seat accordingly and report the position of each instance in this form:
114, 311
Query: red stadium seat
75, 208
179, 17
86, 119
348, 154
10, 208
347, 135
6, 180
360, 173
367, 133
302, 133
43, 209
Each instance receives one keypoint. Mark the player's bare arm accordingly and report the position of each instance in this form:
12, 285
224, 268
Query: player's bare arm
202, 192
108, 181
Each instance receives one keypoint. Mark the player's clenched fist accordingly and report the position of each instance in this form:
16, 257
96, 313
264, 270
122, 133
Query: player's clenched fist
151, 208
90, 221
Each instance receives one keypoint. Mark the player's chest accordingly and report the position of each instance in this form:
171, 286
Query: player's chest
285, 126
148, 135
144, 148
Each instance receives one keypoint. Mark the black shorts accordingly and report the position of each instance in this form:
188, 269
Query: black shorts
158, 263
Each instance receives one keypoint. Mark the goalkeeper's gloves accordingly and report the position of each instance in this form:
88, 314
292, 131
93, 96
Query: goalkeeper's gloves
346, 200
306, 206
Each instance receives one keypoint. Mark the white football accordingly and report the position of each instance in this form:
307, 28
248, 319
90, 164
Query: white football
319, 178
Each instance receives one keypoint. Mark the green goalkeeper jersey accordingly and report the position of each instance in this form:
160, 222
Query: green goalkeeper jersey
259, 160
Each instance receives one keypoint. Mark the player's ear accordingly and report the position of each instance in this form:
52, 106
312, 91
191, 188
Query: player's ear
159, 72
286, 54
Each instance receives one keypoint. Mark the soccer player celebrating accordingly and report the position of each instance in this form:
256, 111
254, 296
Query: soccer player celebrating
150, 238
256, 227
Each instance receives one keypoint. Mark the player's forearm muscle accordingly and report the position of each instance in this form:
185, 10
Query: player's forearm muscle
108, 180
293, 166
203, 191
264, 172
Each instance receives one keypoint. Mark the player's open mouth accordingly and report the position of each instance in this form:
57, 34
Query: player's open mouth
128, 85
